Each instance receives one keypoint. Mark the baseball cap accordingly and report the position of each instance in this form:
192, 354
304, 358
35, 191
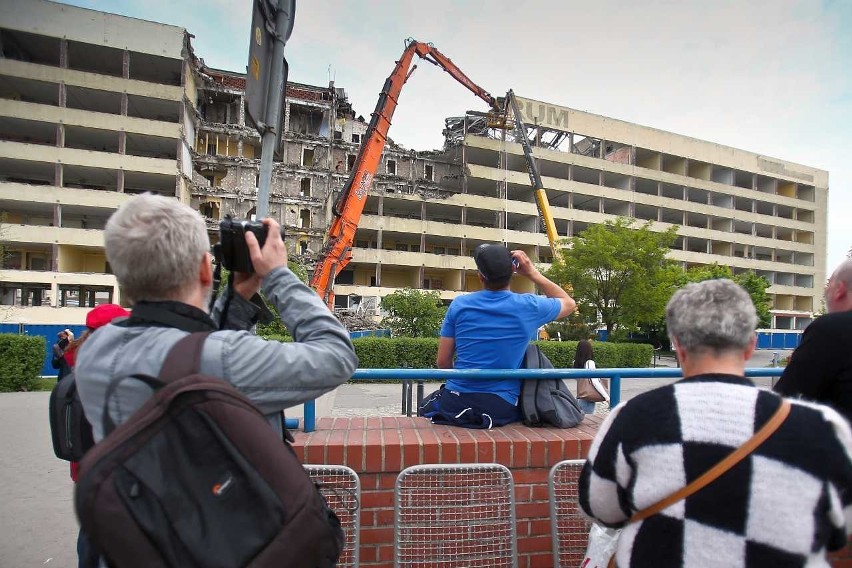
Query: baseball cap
103, 314
494, 262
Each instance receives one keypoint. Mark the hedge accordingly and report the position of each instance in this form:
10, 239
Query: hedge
21, 359
420, 353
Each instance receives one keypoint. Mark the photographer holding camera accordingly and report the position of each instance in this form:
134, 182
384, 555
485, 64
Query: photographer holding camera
158, 249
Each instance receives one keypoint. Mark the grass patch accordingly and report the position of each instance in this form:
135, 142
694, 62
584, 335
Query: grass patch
44, 384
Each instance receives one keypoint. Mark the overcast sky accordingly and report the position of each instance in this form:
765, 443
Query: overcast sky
770, 76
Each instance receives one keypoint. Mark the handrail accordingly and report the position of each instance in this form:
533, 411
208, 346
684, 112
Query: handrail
614, 375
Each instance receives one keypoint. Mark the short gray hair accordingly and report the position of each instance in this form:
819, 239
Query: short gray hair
154, 245
714, 315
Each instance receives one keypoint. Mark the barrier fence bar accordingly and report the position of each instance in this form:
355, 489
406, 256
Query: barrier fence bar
614, 375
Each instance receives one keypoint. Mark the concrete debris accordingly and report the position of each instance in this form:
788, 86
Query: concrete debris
354, 321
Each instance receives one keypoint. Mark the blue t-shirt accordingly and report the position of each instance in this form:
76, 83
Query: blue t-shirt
492, 331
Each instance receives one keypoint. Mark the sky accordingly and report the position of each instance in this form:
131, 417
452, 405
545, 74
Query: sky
773, 77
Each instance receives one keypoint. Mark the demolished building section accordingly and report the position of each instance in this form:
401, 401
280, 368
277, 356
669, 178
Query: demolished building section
321, 141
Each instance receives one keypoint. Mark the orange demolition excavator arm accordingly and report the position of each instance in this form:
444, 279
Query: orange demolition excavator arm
337, 250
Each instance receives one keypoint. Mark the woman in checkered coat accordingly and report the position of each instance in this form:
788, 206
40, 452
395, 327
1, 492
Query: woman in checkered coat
784, 505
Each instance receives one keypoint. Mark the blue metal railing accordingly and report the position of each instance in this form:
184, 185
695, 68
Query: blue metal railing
614, 376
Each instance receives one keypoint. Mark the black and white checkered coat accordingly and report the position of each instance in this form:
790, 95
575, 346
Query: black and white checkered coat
782, 506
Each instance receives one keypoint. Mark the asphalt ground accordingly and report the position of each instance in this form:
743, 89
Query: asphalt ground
37, 523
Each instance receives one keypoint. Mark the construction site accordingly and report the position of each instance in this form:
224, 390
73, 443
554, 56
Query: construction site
84, 125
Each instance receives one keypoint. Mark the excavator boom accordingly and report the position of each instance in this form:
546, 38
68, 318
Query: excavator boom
535, 177
337, 250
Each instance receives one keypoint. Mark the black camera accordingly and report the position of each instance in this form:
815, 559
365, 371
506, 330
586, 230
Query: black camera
232, 240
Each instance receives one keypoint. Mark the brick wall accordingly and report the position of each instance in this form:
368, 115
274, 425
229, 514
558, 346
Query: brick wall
379, 448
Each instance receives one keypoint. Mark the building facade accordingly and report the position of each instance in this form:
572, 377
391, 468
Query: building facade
95, 107
733, 207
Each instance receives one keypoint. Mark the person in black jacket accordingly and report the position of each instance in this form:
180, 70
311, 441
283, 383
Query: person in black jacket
820, 369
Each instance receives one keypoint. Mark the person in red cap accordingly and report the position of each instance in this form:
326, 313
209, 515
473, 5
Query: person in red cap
96, 318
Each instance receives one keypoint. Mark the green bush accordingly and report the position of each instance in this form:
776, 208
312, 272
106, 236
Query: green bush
375, 352
637, 354
21, 359
420, 353
416, 352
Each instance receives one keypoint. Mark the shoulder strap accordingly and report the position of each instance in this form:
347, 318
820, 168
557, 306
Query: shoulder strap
720, 468
184, 357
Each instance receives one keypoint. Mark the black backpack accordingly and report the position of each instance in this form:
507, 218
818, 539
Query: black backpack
547, 401
69, 429
197, 478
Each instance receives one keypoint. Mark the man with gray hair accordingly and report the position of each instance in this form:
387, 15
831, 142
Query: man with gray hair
784, 504
158, 249
820, 369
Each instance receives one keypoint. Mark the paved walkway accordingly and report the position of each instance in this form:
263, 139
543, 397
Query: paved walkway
37, 523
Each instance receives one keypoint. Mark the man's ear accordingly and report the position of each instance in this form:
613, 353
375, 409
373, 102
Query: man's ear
681, 354
205, 271
752, 345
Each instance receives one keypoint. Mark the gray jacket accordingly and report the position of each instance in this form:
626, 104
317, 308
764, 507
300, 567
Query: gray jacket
271, 374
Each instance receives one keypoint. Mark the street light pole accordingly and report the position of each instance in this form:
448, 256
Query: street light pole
273, 107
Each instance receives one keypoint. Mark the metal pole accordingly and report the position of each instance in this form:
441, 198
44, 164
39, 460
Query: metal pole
614, 391
273, 111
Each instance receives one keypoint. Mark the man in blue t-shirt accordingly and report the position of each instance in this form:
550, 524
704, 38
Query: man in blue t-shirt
491, 329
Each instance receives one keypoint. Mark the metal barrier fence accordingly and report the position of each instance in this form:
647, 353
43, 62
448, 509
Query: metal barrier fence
455, 515
569, 526
341, 488
614, 376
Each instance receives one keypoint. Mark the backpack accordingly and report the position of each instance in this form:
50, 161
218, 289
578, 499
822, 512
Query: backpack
69, 429
547, 401
197, 478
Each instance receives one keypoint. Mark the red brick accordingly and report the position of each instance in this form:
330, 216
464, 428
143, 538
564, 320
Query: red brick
411, 449
367, 553
369, 481
540, 560
315, 453
502, 447
530, 475
336, 448
521, 448
387, 480
355, 450
376, 499
357, 423
384, 517
391, 450
540, 526
467, 446
449, 444
368, 517
540, 492
523, 493
430, 445
386, 553
373, 451
534, 544
377, 535
538, 510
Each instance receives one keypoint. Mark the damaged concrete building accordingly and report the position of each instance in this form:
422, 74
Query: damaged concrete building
322, 136
95, 107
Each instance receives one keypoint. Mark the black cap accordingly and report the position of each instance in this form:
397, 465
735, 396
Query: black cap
494, 262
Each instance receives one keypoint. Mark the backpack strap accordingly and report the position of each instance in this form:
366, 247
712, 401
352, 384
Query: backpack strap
184, 357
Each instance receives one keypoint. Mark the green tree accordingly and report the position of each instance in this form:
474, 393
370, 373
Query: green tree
619, 270
413, 313
754, 284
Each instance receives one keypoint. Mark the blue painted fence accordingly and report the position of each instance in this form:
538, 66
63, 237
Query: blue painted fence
614, 376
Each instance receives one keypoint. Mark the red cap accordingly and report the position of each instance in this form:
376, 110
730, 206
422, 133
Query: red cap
103, 314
